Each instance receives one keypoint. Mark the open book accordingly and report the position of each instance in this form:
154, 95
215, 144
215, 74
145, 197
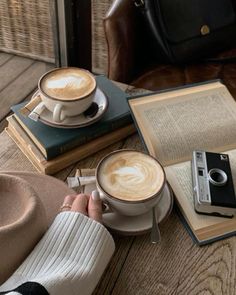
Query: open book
175, 122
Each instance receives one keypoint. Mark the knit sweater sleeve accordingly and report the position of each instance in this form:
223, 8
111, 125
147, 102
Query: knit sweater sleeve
69, 259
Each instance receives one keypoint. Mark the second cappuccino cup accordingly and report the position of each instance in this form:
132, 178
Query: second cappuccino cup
130, 182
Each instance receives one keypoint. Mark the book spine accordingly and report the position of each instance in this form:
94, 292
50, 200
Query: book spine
116, 124
55, 151
82, 140
106, 128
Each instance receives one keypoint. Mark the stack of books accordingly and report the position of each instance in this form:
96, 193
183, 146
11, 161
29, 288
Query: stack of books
51, 149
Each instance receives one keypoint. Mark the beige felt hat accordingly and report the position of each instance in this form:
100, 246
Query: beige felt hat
28, 204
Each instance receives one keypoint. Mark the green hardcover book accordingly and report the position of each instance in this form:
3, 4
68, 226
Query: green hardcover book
53, 142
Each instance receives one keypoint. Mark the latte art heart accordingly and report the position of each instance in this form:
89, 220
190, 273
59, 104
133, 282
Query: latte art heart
131, 176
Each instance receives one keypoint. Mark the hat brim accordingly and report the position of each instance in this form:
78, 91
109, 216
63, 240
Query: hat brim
50, 190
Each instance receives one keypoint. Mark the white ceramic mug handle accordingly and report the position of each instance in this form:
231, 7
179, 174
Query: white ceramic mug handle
106, 207
57, 113
37, 111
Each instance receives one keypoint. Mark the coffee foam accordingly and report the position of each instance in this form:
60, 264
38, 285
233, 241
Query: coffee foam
68, 84
131, 176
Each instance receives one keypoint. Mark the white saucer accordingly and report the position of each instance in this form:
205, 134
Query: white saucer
76, 121
137, 225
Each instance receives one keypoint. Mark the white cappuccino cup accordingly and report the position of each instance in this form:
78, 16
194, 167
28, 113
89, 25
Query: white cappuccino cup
66, 92
130, 182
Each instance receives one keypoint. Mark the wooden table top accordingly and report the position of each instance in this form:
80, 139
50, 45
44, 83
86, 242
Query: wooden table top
175, 266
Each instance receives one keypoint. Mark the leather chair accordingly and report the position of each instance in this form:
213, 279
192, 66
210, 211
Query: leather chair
131, 58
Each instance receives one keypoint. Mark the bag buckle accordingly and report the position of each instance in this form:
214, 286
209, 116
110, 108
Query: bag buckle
139, 3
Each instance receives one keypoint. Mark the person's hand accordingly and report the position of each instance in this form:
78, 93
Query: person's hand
90, 206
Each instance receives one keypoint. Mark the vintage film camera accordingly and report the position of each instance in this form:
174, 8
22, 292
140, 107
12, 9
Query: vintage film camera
213, 188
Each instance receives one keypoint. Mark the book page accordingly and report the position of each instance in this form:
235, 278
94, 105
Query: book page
175, 123
180, 179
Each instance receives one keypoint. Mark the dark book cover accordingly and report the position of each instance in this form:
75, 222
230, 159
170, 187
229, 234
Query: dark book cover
194, 237
56, 141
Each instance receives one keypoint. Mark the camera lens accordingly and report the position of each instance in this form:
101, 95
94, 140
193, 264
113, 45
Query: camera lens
217, 177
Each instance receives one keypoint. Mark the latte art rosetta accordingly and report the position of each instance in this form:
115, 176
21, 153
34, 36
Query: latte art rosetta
68, 84
131, 176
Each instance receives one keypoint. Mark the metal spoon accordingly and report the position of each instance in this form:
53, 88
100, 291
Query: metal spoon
155, 233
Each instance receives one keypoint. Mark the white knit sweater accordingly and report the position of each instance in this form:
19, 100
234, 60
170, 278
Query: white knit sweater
69, 259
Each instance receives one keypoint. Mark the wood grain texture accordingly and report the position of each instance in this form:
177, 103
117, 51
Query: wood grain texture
155, 268
12, 69
4, 57
106, 284
3, 124
209, 269
3, 121
176, 266
14, 91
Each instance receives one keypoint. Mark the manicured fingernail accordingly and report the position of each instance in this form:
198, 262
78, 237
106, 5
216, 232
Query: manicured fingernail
95, 195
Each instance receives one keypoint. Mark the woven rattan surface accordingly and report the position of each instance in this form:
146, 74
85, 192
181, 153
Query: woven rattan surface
99, 45
25, 28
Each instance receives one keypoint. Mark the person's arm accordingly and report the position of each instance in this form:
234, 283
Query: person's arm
71, 256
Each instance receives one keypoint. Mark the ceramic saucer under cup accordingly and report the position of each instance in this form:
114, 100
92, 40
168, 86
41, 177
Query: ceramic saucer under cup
80, 120
141, 224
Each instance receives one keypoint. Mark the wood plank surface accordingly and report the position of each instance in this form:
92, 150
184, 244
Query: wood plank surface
13, 68
19, 88
155, 268
176, 266
209, 269
3, 121
18, 78
4, 57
